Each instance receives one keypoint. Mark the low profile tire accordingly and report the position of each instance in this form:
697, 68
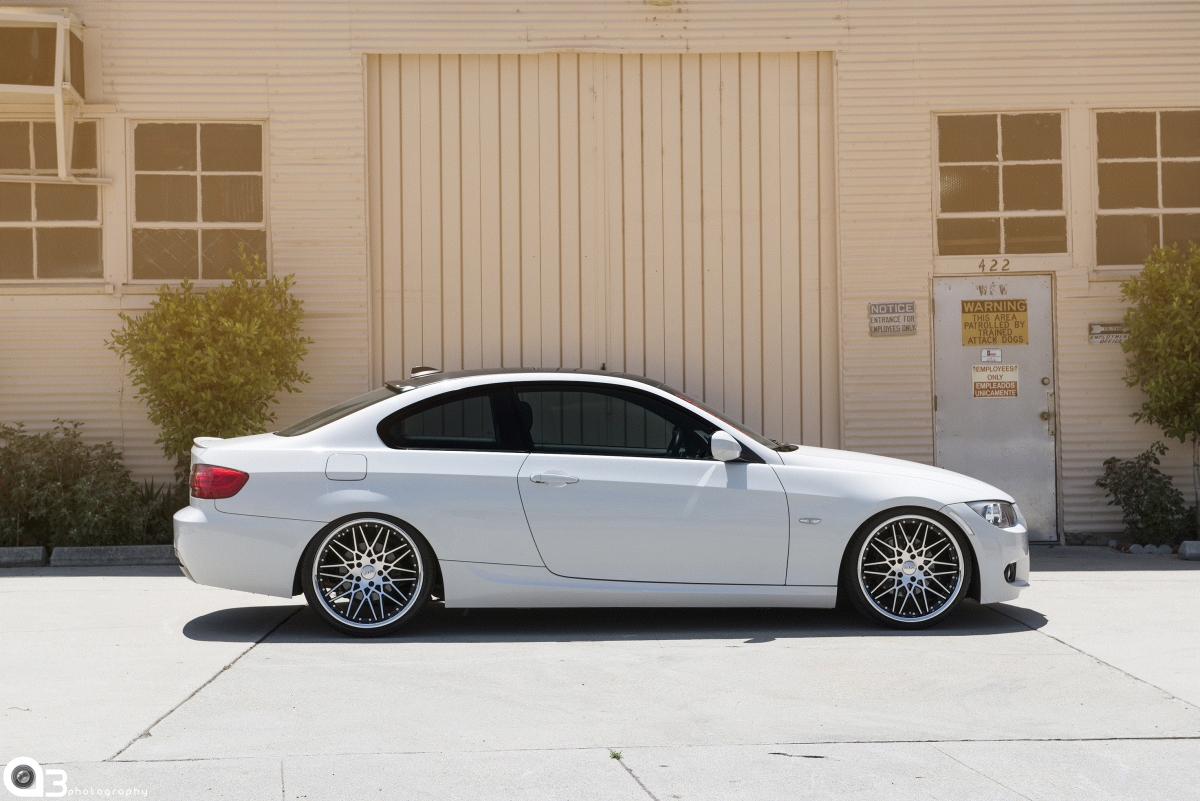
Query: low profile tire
907, 568
368, 576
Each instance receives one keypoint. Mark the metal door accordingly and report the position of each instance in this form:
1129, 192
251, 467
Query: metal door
674, 520
994, 388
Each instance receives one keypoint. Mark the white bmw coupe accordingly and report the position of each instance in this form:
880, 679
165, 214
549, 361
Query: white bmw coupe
535, 488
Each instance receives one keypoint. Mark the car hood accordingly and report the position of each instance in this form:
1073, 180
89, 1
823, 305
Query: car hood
968, 488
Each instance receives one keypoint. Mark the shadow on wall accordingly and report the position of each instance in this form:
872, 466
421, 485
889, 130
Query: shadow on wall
298, 624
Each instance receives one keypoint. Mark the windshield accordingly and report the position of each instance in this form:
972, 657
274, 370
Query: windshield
766, 442
337, 412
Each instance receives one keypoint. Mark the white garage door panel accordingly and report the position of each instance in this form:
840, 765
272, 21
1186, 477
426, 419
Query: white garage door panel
661, 215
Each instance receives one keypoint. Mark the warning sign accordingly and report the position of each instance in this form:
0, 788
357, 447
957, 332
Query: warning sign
995, 322
994, 380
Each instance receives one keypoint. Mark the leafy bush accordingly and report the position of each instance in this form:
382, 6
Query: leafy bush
211, 364
1164, 346
159, 503
1151, 506
55, 489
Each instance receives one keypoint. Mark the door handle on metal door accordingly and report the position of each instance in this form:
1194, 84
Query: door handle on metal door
553, 478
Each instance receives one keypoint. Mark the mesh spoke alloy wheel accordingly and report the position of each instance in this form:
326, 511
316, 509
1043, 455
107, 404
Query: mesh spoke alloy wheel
368, 573
910, 569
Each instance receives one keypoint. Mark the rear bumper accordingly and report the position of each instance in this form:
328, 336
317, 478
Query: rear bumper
240, 552
995, 549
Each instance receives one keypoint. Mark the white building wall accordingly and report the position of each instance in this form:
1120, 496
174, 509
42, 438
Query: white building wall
654, 214
907, 60
301, 67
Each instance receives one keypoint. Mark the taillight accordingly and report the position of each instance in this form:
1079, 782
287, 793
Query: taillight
212, 482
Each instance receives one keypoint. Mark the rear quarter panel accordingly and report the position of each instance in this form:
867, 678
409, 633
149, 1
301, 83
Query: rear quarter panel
466, 505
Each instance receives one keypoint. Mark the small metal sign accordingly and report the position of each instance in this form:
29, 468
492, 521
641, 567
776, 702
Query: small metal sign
892, 319
1107, 333
994, 381
995, 322
990, 355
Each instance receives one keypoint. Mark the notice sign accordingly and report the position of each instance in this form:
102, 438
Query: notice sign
995, 322
892, 319
994, 380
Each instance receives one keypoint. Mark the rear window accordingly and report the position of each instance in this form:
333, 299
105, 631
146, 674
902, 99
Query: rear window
461, 422
344, 408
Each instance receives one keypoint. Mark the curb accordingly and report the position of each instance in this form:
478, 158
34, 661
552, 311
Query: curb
113, 556
27, 556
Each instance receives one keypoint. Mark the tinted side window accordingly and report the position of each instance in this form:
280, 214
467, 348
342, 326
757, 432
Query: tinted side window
609, 422
461, 422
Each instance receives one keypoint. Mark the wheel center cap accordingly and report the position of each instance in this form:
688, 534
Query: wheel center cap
368, 571
908, 567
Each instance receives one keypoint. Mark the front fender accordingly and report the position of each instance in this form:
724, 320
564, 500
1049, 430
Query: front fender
843, 493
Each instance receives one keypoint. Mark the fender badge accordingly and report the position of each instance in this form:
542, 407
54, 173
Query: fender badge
812, 521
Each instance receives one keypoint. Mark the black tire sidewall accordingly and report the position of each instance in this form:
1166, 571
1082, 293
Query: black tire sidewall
852, 588
428, 576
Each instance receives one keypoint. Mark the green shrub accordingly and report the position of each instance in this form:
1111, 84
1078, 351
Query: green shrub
55, 489
1164, 346
1151, 506
159, 503
211, 363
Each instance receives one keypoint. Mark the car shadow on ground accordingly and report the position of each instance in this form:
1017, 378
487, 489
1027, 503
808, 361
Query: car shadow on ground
299, 624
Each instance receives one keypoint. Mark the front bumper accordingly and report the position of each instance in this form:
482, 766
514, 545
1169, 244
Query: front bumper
240, 552
995, 549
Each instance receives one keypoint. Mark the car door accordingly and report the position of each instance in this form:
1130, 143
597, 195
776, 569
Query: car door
620, 485
447, 468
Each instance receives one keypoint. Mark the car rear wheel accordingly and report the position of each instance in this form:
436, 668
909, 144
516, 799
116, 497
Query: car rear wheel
907, 569
368, 576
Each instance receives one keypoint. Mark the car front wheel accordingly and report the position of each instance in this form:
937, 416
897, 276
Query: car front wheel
907, 569
368, 576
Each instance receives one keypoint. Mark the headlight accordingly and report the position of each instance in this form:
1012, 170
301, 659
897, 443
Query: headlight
998, 513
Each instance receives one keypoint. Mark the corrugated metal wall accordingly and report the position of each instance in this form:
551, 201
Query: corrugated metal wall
292, 68
667, 216
906, 61
300, 67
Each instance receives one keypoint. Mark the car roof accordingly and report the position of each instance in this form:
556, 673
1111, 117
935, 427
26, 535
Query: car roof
427, 379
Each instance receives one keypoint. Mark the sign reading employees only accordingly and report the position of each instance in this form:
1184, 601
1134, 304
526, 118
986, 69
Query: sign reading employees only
993, 380
995, 322
892, 319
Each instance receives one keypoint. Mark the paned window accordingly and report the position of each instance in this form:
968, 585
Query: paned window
1148, 183
198, 195
48, 230
1000, 184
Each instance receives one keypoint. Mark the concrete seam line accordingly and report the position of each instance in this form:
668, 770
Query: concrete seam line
981, 773
1098, 659
633, 776
146, 732
1180, 738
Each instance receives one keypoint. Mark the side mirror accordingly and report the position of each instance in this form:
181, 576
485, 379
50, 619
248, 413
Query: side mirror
724, 447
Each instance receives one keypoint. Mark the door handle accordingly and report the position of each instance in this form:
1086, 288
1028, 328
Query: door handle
553, 478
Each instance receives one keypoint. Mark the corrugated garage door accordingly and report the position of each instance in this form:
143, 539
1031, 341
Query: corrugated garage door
670, 216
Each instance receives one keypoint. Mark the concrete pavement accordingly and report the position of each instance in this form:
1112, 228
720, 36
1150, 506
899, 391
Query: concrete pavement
1088, 687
